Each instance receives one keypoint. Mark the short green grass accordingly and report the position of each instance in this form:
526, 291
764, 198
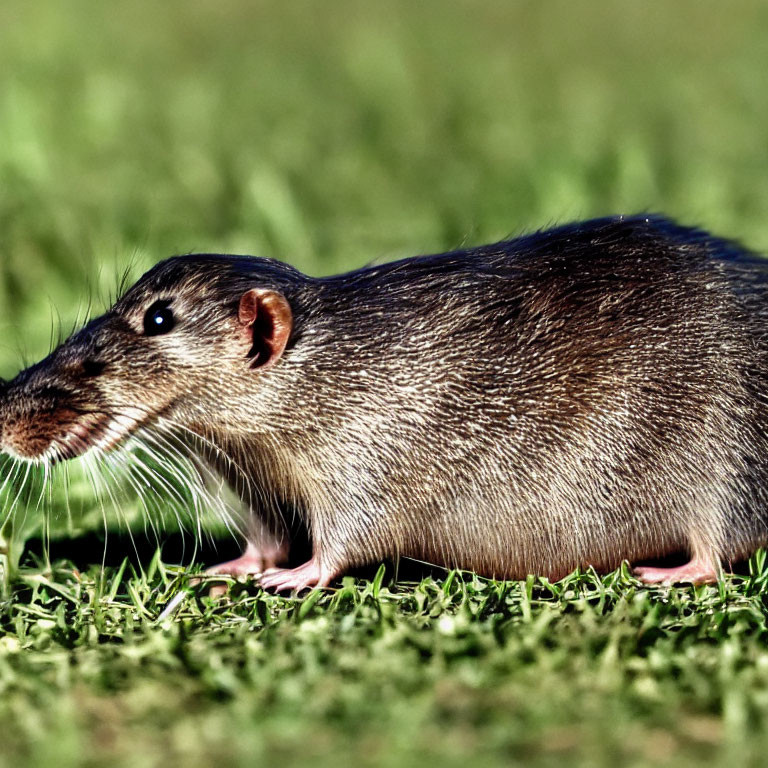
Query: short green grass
329, 135
460, 671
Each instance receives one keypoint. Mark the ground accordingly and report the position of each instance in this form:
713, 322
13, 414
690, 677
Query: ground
331, 135
457, 671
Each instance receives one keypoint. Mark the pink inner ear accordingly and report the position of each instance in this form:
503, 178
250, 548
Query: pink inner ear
249, 308
266, 320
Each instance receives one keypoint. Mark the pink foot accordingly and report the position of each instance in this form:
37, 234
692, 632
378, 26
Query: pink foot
700, 570
311, 574
253, 562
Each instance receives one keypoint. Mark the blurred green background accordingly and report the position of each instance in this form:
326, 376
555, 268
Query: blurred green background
329, 135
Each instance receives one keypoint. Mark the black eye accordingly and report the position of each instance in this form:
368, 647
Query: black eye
159, 319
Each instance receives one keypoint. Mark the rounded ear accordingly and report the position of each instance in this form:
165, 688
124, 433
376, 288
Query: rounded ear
267, 320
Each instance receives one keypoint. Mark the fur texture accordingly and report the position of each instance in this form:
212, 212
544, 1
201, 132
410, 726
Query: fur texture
574, 397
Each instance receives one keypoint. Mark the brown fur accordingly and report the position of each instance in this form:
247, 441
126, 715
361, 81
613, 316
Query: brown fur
576, 397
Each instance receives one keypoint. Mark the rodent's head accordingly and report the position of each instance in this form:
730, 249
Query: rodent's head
190, 334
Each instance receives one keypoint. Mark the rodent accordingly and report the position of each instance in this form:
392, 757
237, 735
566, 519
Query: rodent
581, 396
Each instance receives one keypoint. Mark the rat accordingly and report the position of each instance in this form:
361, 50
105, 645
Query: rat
581, 396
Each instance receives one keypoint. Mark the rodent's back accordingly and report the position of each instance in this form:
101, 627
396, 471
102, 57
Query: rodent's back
577, 396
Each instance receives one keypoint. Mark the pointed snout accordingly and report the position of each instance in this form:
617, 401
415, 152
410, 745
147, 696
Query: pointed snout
50, 409
33, 411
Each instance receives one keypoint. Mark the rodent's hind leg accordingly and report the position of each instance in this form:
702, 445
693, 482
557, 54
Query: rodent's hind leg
699, 570
313, 573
